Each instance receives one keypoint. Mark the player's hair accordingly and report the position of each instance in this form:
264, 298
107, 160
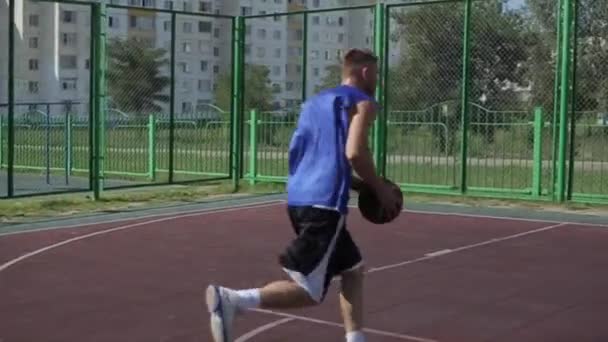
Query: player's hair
356, 59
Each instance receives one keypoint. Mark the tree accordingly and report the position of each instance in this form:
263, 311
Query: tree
258, 89
332, 78
430, 74
135, 82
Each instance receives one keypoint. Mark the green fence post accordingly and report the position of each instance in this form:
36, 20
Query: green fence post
152, 147
253, 146
172, 99
1, 141
236, 105
92, 94
11, 98
537, 169
68, 147
554, 119
99, 16
563, 100
379, 131
572, 146
466, 57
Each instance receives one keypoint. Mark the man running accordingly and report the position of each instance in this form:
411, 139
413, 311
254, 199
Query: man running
330, 141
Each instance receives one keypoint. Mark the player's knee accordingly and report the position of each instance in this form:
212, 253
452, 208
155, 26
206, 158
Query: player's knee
355, 274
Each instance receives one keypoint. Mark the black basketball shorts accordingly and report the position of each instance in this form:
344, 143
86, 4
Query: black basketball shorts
322, 249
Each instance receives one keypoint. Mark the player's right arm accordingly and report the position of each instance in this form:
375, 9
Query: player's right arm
357, 150
359, 154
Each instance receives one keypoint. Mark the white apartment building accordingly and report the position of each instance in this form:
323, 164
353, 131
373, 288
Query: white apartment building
53, 45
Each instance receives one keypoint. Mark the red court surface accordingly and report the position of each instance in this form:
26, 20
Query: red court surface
431, 278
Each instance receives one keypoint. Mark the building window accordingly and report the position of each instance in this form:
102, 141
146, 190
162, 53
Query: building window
204, 65
187, 27
186, 107
326, 55
315, 37
112, 21
68, 39
341, 21
187, 47
216, 51
132, 21
289, 86
299, 69
184, 67
32, 87
315, 72
133, 2
316, 3
204, 85
33, 43
247, 50
246, 10
278, 1
33, 64
277, 18
68, 83
299, 34
204, 6
168, 5
167, 26
204, 26
314, 54
87, 63
67, 62
316, 20
216, 69
340, 37
261, 52
148, 3
34, 20
277, 53
187, 6
68, 16
276, 35
216, 32
276, 70
261, 33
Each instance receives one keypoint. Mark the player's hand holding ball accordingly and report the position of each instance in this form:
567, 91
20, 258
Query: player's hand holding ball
382, 204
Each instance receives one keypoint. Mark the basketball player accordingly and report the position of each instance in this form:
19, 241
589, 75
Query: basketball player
329, 143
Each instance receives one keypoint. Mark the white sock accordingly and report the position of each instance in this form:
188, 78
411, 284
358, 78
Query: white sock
248, 299
355, 336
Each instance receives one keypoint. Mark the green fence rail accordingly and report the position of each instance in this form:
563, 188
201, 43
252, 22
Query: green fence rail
477, 98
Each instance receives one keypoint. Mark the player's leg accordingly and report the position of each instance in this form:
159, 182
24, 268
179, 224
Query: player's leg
305, 260
347, 262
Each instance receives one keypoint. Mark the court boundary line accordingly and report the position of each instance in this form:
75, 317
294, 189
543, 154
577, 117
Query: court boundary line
412, 211
427, 256
41, 250
143, 217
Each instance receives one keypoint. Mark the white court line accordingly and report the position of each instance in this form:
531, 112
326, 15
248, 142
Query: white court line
338, 325
428, 256
464, 248
128, 226
259, 330
143, 217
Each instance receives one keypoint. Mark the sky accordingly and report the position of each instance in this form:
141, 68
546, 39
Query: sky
516, 3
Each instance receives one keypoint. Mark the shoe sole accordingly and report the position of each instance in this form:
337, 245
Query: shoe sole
214, 306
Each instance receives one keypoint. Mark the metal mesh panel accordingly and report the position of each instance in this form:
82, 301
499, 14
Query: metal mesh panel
51, 94
138, 86
424, 88
590, 150
511, 74
203, 93
273, 87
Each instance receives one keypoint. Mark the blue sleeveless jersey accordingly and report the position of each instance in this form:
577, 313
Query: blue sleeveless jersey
319, 172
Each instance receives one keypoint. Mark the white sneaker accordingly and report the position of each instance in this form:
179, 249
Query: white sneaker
222, 307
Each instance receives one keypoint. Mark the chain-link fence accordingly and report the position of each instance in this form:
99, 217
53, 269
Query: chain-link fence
423, 88
588, 152
51, 48
476, 95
